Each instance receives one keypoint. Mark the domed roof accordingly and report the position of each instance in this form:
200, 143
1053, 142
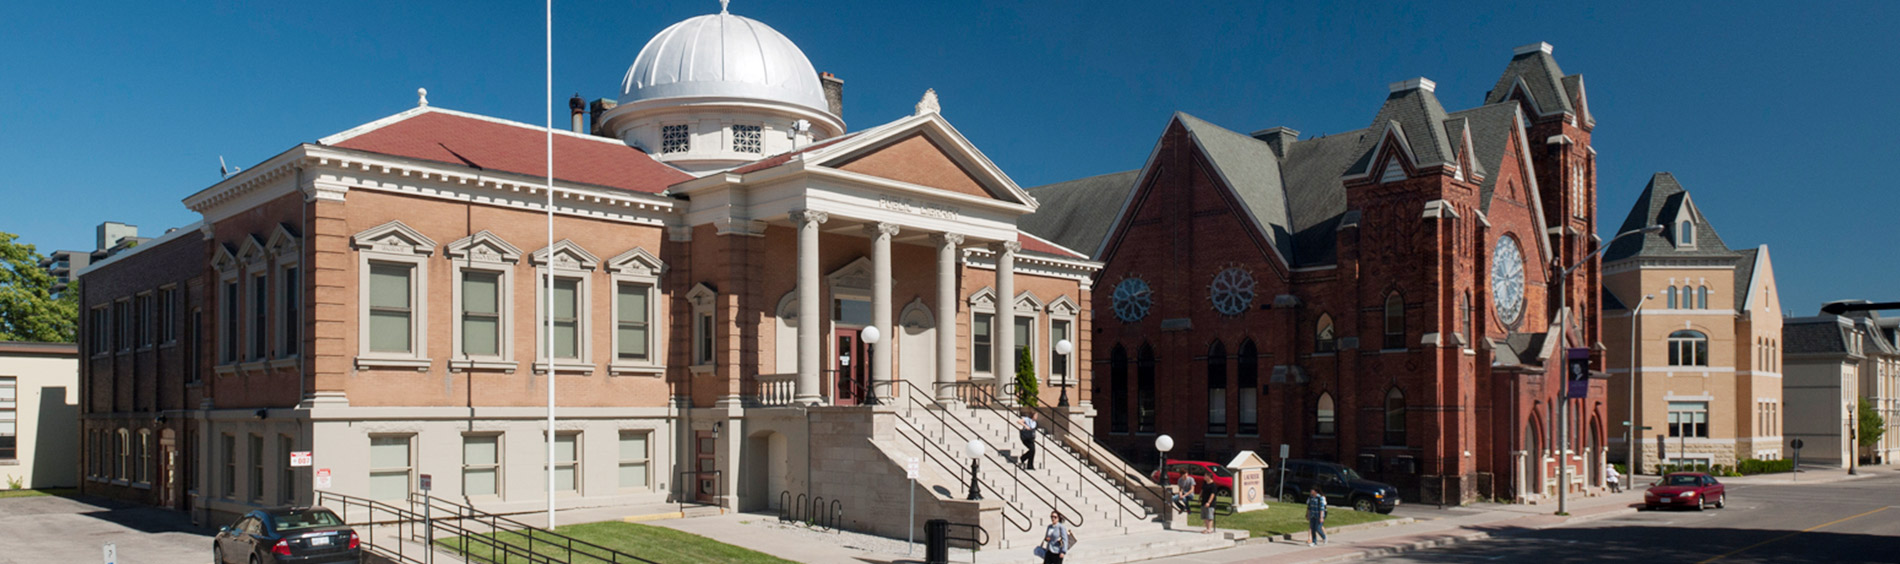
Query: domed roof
723, 56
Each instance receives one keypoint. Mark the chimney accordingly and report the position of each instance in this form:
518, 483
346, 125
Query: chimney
1538, 47
577, 113
594, 112
1420, 83
1279, 138
834, 93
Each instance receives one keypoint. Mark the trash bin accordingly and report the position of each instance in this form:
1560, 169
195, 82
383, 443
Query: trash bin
937, 541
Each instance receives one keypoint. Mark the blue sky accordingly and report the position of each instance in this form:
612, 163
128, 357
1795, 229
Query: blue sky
1777, 120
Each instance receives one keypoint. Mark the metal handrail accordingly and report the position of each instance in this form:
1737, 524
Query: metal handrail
506, 551
924, 444
567, 543
917, 399
1087, 439
978, 535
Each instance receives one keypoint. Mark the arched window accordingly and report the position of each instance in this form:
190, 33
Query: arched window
1248, 373
1470, 320
1685, 233
1670, 293
1394, 418
1118, 390
1145, 389
1394, 321
1324, 424
1702, 297
1217, 389
1323, 335
1688, 348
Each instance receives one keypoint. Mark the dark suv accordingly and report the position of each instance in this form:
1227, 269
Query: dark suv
1341, 485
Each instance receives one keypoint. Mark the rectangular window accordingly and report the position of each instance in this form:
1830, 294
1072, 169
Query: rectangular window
566, 462
230, 329
291, 317
703, 339
168, 315
481, 464
630, 323
675, 139
123, 445
257, 467
230, 465
389, 466
260, 310
980, 354
9, 418
633, 459
390, 307
142, 321
1058, 362
96, 331
567, 321
745, 139
1025, 335
122, 316
1689, 419
287, 480
143, 472
481, 313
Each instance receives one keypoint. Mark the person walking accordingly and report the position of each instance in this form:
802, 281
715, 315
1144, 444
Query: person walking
1028, 425
1207, 513
1315, 517
1615, 479
1055, 540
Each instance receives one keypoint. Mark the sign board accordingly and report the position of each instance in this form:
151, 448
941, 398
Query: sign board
910, 468
112, 553
1249, 481
299, 458
323, 479
426, 481
1797, 444
1577, 372
1285, 450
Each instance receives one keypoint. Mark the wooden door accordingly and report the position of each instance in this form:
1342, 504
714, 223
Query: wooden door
705, 449
850, 367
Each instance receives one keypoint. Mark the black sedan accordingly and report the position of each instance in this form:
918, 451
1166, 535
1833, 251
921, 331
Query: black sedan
287, 535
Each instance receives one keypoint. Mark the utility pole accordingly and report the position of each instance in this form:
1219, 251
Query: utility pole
1563, 402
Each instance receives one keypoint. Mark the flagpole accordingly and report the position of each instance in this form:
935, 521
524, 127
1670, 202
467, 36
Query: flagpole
549, 261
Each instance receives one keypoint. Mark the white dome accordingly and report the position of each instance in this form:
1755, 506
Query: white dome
723, 56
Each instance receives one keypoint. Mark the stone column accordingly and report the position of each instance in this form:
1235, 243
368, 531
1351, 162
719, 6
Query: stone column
809, 324
1004, 328
947, 257
881, 306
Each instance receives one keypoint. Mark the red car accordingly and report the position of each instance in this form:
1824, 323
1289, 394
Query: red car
1686, 489
1206, 474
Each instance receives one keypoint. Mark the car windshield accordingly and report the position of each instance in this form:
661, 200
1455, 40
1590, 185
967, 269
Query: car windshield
1350, 474
297, 520
1221, 471
1680, 480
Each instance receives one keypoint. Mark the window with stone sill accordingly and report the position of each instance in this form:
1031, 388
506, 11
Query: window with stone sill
636, 340
1689, 419
746, 139
392, 273
260, 317
481, 464
675, 139
9, 418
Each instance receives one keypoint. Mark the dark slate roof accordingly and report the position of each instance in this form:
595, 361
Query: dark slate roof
1573, 85
1317, 194
1611, 303
1491, 126
1077, 214
1541, 76
1659, 203
1455, 127
1824, 334
1744, 276
1252, 170
1420, 119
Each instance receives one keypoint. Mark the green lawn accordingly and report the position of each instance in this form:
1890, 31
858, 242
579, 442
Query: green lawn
1282, 517
658, 544
62, 492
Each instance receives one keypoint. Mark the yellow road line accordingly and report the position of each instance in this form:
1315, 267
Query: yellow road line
1786, 536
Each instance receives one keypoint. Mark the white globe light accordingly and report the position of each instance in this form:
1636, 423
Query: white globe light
869, 334
1064, 346
975, 448
1164, 443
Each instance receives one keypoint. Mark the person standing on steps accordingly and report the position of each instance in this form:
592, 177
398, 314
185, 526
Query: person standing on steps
1055, 540
1207, 513
1315, 517
1028, 425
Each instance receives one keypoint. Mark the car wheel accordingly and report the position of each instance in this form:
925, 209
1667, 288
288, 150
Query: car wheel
217, 553
1364, 504
1701, 503
1721, 501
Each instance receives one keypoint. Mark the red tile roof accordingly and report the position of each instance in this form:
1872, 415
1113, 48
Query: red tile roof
1036, 244
482, 144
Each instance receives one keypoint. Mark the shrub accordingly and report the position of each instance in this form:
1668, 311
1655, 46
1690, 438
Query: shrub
1754, 466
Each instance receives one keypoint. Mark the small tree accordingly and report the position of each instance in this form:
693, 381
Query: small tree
28, 309
1871, 424
1027, 387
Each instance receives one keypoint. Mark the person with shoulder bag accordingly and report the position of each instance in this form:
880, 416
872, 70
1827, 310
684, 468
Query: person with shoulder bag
1056, 540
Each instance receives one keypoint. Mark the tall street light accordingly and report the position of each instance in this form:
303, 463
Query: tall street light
870, 337
975, 450
1563, 421
1163, 444
1630, 416
1063, 347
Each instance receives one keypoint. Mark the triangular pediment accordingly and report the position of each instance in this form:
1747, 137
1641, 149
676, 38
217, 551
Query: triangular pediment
567, 255
282, 241
393, 237
924, 151
857, 275
1062, 306
484, 247
251, 250
222, 259
1026, 302
917, 159
636, 262
984, 298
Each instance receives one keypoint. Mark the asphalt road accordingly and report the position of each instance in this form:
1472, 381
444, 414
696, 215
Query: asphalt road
1850, 521
58, 530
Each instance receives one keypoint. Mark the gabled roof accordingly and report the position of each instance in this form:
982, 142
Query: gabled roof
1491, 127
1316, 192
1661, 202
1034, 244
1535, 71
486, 143
1419, 119
1806, 335
1249, 167
1077, 214
1744, 277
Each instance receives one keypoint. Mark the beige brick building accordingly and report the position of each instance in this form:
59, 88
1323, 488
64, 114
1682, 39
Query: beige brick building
1702, 324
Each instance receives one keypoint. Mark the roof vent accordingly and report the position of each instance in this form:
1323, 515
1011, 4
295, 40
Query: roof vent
1532, 48
1420, 83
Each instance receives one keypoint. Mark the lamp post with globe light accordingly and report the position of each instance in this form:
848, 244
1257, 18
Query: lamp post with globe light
1063, 347
975, 450
870, 337
1163, 444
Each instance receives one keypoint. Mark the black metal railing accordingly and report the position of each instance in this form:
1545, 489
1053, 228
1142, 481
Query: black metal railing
1054, 500
937, 454
977, 535
486, 532
1121, 496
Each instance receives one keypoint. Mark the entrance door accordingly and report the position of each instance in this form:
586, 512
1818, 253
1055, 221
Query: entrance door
705, 482
851, 367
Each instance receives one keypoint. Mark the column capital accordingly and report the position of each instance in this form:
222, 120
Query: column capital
881, 229
1011, 247
952, 239
802, 216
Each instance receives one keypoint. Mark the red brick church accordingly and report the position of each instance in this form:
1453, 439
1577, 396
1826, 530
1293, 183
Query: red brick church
1379, 297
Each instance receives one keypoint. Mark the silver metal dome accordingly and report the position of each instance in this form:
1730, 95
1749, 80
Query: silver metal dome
723, 56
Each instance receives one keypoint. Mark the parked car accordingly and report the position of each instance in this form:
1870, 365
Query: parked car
1686, 489
287, 535
1211, 477
1340, 484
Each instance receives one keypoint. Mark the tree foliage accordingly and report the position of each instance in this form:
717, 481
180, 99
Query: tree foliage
1028, 389
28, 309
1872, 425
